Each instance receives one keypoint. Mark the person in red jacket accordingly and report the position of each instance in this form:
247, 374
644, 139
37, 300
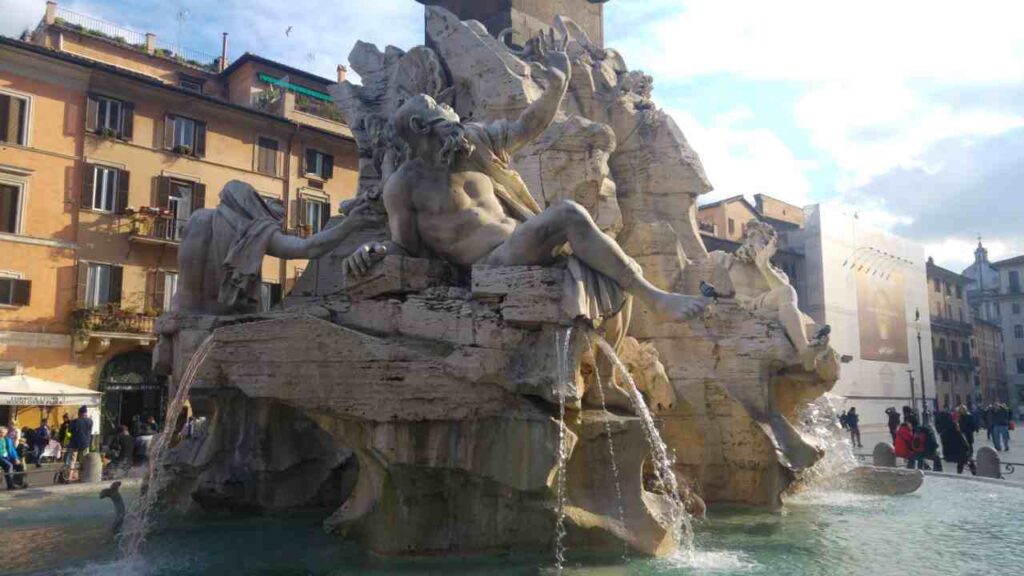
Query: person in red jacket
904, 442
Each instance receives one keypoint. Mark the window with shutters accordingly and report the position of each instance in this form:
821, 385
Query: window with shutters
109, 117
104, 188
310, 212
316, 215
161, 286
170, 289
11, 196
14, 291
266, 155
185, 135
319, 164
102, 284
14, 115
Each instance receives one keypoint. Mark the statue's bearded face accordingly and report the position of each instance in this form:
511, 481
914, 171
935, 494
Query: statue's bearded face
451, 137
759, 238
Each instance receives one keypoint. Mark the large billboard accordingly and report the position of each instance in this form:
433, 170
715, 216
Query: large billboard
881, 315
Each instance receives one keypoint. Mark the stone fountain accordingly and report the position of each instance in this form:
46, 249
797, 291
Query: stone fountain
516, 203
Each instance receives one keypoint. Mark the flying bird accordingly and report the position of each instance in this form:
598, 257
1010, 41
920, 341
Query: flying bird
288, 31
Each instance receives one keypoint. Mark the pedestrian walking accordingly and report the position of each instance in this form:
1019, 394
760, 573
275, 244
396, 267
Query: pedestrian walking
955, 447
968, 426
894, 421
1001, 427
853, 423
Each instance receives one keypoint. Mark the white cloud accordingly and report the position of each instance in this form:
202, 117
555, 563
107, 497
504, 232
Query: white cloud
828, 40
871, 127
17, 15
743, 160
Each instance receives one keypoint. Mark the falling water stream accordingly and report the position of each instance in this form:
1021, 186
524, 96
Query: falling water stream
678, 517
611, 449
819, 424
137, 521
564, 379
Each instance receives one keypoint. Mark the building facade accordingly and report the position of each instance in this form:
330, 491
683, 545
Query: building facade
989, 355
956, 373
996, 291
108, 142
869, 286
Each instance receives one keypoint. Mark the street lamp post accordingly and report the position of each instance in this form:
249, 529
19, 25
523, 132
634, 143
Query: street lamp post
920, 357
913, 400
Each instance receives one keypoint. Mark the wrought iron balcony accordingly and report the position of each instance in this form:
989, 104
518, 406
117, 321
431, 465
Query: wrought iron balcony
156, 226
107, 324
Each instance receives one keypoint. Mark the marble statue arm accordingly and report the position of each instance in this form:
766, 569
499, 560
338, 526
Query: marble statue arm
773, 276
557, 72
293, 247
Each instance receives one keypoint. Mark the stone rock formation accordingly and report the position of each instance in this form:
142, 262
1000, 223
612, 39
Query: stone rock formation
433, 391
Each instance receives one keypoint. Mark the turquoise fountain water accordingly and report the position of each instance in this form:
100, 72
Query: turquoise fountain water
950, 526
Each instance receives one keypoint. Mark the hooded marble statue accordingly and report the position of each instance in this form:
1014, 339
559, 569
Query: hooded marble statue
221, 254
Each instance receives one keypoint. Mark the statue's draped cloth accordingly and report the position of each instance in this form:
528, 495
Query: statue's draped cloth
242, 229
588, 293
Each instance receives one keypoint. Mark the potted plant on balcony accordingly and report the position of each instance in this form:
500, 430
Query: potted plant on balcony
107, 132
183, 149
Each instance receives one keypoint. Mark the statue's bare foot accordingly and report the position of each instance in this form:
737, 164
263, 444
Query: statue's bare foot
672, 307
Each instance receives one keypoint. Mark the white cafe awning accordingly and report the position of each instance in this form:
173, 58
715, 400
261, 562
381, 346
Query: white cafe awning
22, 390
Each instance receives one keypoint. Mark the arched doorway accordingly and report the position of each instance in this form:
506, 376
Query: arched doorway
130, 389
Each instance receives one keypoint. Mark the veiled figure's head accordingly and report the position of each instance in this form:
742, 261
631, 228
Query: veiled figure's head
433, 131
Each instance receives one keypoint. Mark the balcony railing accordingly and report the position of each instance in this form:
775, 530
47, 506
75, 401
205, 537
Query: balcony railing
99, 28
321, 108
950, 324
112, 320
156, 226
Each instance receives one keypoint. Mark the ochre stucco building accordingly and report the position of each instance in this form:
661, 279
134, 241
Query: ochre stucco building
108, 141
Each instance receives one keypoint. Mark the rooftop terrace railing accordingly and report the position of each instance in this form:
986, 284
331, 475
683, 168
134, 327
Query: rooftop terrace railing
99, 28
133, 39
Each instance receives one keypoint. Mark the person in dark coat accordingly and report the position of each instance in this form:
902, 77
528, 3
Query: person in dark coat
955, 447
894, 421
968, 426
853, 423
122, 448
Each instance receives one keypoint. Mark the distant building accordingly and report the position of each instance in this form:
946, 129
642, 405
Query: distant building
956, 369
996, 291
869, 286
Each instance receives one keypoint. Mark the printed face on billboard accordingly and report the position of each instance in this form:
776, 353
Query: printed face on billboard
881, 315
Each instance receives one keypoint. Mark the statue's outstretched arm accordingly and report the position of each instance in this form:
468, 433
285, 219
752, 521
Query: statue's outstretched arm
293, 247
538, 116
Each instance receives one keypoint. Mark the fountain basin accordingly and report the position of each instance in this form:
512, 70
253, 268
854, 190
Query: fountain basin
971, 526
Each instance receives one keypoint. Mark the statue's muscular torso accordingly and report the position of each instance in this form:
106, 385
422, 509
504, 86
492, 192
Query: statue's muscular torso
456, 213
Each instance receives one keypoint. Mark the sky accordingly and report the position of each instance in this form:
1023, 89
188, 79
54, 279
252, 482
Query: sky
908, 113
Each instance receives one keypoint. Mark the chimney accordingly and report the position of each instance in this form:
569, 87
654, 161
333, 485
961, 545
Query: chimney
342, 73
51, 13
223, 51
